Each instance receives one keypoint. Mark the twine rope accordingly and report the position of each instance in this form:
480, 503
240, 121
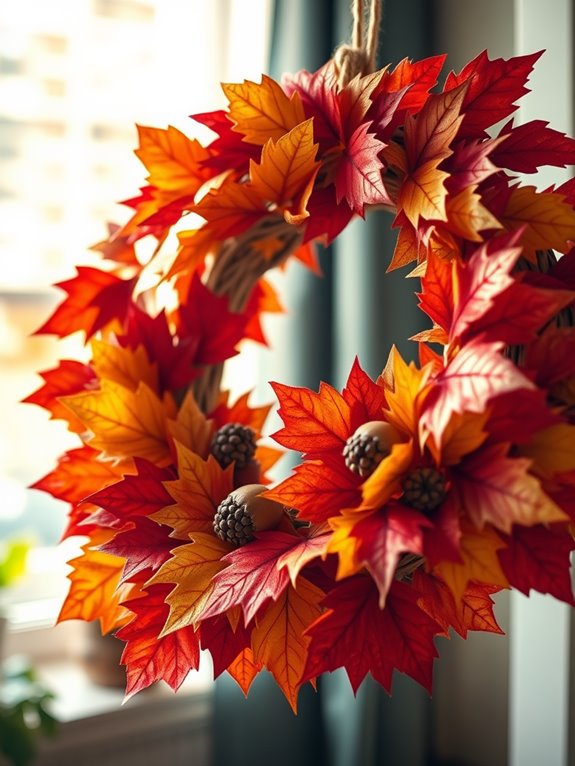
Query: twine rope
360, 56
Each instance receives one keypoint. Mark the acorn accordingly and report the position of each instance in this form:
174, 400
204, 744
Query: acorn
367, 447
233, 442
244, 512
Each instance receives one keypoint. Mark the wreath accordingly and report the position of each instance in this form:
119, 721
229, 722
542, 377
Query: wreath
417, 495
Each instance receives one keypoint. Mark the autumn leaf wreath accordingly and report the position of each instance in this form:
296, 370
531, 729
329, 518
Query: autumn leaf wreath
417, 495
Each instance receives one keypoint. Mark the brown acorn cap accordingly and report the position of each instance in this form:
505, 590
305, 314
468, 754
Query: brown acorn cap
244, 512
381, 430
368, 446
265, 514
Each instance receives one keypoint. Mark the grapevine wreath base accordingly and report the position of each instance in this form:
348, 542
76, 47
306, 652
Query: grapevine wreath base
419, 494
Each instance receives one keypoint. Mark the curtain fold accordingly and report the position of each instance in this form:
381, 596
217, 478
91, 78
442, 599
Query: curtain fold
354, 309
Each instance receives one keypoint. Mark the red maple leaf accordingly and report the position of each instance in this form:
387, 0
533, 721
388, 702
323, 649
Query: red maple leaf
146, 546
525, 147
149, 658
538, 558
494, 86
70, 377
359, 174
252, 576
206, 319
383, 537
365, 397
228, 150
474, 612
94, 299
136, 496
399, 637
414, 79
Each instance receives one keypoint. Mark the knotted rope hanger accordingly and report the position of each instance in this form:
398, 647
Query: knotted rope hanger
360, 56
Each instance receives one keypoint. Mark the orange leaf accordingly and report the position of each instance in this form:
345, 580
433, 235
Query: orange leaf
278, 640
125, 366
480, 561
191, 570
287, 166
427, 143
174, 161
94, 592
262, 111
464, 433
231, 209
404, 393
243, 670
191, 428
387, 477
69, 377
195, 245
548, 219
125, 423
466, 216
200, 488
313, 422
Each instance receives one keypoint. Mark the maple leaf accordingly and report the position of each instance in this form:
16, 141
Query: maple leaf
467, 217
231, 209
135, 495
359, 174
471, 163
319, 489
304, 550
313, 422
538, 558
521, 413
79, 473
244, 669
144, 547
94, 591
124, 366
365, 397
175, 162
199, 489
427, 143
69, 377
494, 488
525, 147
94, 299
397, 637
403, 393
240, 411
546, 220
206, 318
378, 540
125, 423
262, 110
327, 219
479, 561
318, 94
191, 428
494, 86
437, 298
472, 378
117, 248
147, 656
279, 641
174, 357
252, 576
386, 480
228, 150
287, 166
473, 612
414, 79
191, 569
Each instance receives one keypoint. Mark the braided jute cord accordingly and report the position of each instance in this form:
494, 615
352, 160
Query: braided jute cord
360, 56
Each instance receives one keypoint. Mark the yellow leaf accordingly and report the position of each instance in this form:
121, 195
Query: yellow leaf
552, 450
403, 394
124, 366
548, 219
286, 165
195, 245
191, 428
125, 423
192, 569
173, 160
466, 216
479, 561
423, 193
344, 544
94, 593
262, 111
278, 640
464, 433
200, 488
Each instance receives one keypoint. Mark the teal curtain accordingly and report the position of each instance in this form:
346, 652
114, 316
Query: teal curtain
354, 309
